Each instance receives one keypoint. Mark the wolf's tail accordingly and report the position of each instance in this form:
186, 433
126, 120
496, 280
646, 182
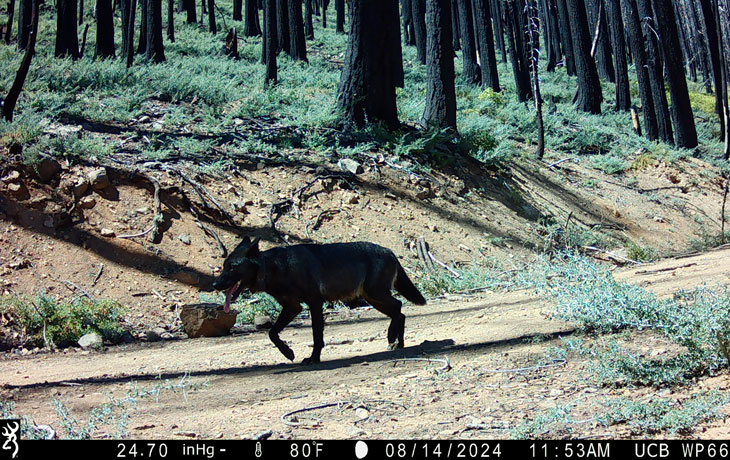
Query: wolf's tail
406, 288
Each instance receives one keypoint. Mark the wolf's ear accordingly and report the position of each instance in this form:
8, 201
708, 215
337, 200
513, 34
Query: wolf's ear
253, 249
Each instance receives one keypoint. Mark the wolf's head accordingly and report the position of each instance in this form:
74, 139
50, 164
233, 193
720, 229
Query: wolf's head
239, 271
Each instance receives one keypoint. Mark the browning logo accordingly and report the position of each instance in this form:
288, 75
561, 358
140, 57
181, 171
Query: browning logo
9, 431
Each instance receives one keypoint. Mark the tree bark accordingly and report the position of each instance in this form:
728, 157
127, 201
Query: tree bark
566, 36
190, 10
171, 20
636, 40
251, 27
104, 29
155, 50
67, 41
9, 26
373, 65
515, 23
25, 24
211, 17
282, 25
487, 55
270, 41
298, 45
589, 96
685, 133
340, 18
238, 10
440, 108
470, 72
616, 29
418, 12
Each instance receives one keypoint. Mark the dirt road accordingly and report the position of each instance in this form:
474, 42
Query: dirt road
239, 386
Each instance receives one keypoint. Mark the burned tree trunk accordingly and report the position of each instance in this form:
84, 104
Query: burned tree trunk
130, 33
566, 36
298, 45
418, 13
373, 65
471, 72
616, 28
211, 17
685, 133
271, 46
155, 50
485, 34
282, 25
715, 50
308, 20
440, 108
12, 98
589, 96
636, 40
515, 25
171, 20
67, 41
251, 27
25, 23
104, 29
190, 10
238, 10
340, 16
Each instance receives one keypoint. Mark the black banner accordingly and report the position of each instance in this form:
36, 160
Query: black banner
367, 449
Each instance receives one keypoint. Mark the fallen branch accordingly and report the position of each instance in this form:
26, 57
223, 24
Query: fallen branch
659, 270
339, 404
98, 275
610, 254
557, 363
446, 367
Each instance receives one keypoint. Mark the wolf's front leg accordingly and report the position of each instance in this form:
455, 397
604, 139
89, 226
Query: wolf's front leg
289, 311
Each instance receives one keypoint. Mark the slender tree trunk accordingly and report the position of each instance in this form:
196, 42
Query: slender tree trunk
471, 72
9, 27
532, 30
143, 15
298, 45
104, 29
715, 51
251, 27
67, 41
211, 17
685, 133
455, 26
12, 98
566, 36
440, 108
603, 52
282, 25
81, 12
130, 33
656, 73
418, 11
190, 10
170, 20
636, 39
155, 50
616, 29
25, 24
340, 18
515, 23
499, 28
238, 10
270, 39
407, 17
589, 96
487, 55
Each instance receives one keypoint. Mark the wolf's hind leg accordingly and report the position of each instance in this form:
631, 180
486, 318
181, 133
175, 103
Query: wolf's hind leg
390, 306
289, 311
315, 310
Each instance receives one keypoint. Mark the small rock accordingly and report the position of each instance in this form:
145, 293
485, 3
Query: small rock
48, 168
207, 320
13, 176
184, 238
262, 321
155, 335
350, 166
108, 233
80, 186
99, 179
362, 413
423, 193
18, 191
91, 340
87, 202
263, 435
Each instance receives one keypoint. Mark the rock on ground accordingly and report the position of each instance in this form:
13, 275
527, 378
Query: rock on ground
207, 320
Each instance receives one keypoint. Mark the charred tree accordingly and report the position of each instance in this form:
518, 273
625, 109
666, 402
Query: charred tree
407, 19
373, 65
143, 15
566, 36
251, 26
9, 25
104, 29
534, 43
325, 4
498, 28
685, 133
154, 50
418, 12
190, 10
589, 96
715, 51
340, 16
271, 46
515, 23
129, 45
601, 48
238, 10
618, 44
25, 23
67, 41
211, 17
282, 25
485, 34
308, 20
470, 72
298, 45
636, 40
12, 98
171, 20
656, 73
440, 108
455, 26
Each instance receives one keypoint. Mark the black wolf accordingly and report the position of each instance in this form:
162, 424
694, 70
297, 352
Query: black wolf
318, 273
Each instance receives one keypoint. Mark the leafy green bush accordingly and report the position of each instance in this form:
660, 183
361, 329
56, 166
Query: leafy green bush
63, 323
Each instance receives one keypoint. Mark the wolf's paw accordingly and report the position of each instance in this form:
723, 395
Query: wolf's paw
394, 346
310, 360
286, 351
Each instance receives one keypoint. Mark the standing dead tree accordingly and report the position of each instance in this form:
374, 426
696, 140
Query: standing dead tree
14, 93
